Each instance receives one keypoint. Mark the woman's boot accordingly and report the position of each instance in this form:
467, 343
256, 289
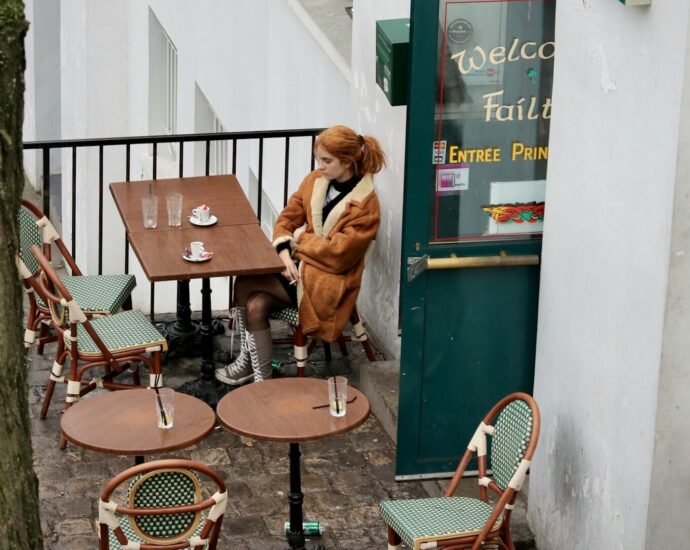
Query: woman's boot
260, 344
240, 370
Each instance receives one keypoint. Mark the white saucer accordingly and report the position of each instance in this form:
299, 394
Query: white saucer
196, 221
196, 260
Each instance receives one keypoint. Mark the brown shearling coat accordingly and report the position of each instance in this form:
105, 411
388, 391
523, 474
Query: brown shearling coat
332, 251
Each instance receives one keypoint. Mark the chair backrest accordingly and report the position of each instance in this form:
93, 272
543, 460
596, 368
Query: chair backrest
165, 506
28, 234
513, 432
62, 306
513, 425
53, 292
35, 228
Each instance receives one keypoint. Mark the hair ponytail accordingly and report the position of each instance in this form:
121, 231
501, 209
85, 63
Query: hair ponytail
363, 152
372, 159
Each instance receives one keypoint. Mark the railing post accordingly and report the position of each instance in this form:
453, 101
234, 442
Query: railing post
100, 209
128, 164
287, 170
46, 181
74, 203
261, 175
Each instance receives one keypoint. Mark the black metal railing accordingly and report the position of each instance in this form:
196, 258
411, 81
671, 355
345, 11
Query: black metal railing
45, 147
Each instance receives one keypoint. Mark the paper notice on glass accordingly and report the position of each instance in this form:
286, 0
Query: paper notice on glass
452, 178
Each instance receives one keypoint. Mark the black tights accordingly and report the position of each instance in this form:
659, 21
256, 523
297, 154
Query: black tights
260, 294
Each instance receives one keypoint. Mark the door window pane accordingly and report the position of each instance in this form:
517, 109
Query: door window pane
493, 90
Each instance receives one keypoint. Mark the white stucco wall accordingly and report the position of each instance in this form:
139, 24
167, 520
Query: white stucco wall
42, 85
252, 60
612, 170
379, 299
29, 124
670, 486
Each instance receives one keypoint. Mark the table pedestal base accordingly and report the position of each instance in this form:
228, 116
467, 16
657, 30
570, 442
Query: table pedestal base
206, 388
184, 336
295, 535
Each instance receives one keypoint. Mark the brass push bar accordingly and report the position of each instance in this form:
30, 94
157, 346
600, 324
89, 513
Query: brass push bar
418, 264
482, 261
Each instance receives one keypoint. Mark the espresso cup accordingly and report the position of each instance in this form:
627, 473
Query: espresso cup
202, 213
197, 249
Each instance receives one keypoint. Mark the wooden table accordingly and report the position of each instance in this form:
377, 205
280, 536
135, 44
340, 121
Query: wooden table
238, 244
223, 195
282, 410
235, 251
124, 422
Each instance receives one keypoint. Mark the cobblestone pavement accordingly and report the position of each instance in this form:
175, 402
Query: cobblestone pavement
343, 478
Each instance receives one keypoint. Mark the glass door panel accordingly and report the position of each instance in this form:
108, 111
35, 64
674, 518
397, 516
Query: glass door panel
493, 105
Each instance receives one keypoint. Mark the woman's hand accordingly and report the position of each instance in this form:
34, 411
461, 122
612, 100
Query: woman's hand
290, 272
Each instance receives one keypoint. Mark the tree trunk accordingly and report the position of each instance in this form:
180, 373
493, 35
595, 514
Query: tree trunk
20, 526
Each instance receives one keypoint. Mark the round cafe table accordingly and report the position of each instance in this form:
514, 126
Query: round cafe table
124, 423
283, 410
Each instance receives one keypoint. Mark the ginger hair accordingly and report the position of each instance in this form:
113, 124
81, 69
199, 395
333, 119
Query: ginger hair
364, 153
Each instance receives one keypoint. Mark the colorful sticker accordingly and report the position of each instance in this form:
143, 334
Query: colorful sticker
452, 178
531, 212
439, 155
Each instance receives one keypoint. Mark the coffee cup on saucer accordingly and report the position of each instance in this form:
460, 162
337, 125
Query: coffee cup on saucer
202, 213
196, 250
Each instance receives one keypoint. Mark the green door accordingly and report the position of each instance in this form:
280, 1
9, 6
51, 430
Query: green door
477, 148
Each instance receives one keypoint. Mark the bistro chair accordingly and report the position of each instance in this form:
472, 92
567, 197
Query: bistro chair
97, 295
114, 342
291, 316
459, 522
165, 508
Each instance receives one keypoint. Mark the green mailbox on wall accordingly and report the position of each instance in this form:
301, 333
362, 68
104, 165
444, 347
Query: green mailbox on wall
392, 54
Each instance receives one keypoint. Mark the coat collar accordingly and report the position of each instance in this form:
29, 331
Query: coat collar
361, 191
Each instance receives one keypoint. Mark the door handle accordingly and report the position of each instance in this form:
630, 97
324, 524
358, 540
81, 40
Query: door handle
482, 261
416, 265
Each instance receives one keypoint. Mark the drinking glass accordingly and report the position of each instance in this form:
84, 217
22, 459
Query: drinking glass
149, 207
174, 201
337, 395
164, 401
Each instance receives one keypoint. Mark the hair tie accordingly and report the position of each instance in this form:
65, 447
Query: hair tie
361, 140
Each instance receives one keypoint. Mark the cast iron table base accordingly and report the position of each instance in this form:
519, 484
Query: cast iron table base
206, 387
295, 534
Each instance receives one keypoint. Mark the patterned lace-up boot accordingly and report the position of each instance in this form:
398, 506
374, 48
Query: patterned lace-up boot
260, 344
240, 370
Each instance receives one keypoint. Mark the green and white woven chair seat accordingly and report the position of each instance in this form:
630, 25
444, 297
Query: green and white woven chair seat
121, 332
288, 314
98, 294
434, 519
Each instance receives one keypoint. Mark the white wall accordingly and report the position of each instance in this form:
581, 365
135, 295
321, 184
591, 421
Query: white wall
670, 486
29, 124
42, 85
379, 299
612, 170
253, 61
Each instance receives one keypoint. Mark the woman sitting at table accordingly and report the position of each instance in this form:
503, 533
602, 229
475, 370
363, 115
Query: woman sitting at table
322, 236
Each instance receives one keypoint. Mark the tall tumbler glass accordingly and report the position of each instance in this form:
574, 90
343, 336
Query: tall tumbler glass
174, 201
149, 207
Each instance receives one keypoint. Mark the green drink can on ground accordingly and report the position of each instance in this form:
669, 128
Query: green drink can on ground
310, 528
277, 367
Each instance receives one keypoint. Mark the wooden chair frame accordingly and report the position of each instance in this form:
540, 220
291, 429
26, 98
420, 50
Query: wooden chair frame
505, 498
58, 297
39, 318
215, 504
303, 348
